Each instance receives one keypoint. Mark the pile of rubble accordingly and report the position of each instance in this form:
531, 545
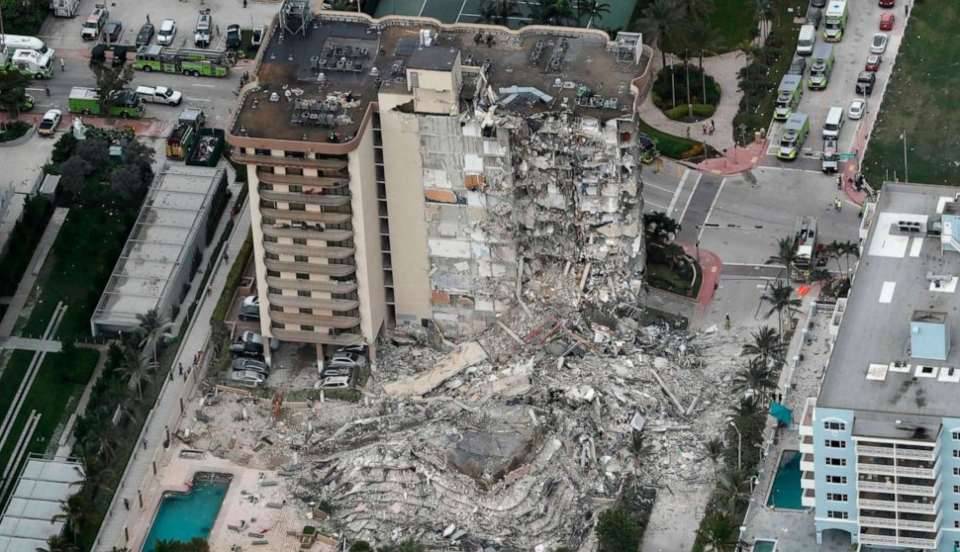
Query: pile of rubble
510, 442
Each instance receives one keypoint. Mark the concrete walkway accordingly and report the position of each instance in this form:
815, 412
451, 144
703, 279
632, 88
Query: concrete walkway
723, 69
165, 415
31, 344
33, 269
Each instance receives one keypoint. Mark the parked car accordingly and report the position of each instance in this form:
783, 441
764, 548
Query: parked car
356, 349
145, 34
160, 95
888, 3
813, 16
168, 30
203, 29
856, 110
334, 382
331, 371
112, 32
797, 66
879, 43
873, 62
818, 3
250, 308
886, 21
233, 37
51, 120
257, 37
347, 359
251, 379
250, 365
865, 83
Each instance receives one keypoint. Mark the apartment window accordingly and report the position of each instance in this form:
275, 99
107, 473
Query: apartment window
266, 187
956, 453
273, 273
833, 443
956, 489
836, 514
956, 507
272, 256
268, 204
836, 461
956, 471
275, 291
956, 435
270, 239
303, 293
956, 524
300, 258
834, 426
300, 241
837, 479
303, 276
306, 311
837, 497
298, 206
296, 188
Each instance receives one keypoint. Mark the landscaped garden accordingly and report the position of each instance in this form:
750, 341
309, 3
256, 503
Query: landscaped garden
668, 267
920, 100
684, 92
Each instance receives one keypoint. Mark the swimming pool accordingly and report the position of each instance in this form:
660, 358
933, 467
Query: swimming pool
786, 491
186, 516
763, 545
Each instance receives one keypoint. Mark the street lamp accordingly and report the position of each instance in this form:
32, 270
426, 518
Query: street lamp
739, 445
906, 168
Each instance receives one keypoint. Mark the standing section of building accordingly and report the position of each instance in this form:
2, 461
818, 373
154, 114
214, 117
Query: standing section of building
881, 442
401, 171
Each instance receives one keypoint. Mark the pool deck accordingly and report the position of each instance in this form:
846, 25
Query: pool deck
275, 523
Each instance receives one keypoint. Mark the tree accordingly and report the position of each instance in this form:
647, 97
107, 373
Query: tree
74, 512
59, 543
844, 250
138, 369
13, 92
756, 377
498, 12
766, 345
714, 448
73, 177
659, 227
659, 19
719, 532
591, 9
195, 545
126, 183
152, 326
618, 531
95, 151
700, 37
786, 255
780, 297
64, 147
110, 82
360, 546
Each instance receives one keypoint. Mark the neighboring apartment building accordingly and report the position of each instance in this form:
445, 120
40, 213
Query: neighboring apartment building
881, 443
399, 170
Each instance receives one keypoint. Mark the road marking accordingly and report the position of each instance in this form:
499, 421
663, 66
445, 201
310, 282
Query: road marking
204, 85
690, 197
712, 205
676, 193
188, 98
661, 188
459, 15
652, 204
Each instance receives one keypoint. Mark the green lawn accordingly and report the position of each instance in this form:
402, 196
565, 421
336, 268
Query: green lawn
730, 22
921, 98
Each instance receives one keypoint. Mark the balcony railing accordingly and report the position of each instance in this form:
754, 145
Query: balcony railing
914, 524
328, 286
295, 301
324, 200
915, 454
308, 250
335, 270
308, 216
866, 450
890, 487
298, 336
316, 320
866, 538
918, 507
871, 521
256, 159
890, 469
269, 177
919, 543
874, 504
882, 486
306, 232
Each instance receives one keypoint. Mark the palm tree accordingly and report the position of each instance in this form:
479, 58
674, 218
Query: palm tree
756, 377
745, 409
562, 12
701, 37
498, 11
786, 255
74, 512
697, 10
820, 275
714, 448
58, 543
592, 9
780, 297
659, 19
845, 250
152, 326
766, 345
719, 532
138, 369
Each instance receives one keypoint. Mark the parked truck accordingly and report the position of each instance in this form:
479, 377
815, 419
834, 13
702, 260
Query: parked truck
835, 20
184, 61
64, 8
87, 101
793, 136
30, 63
805, 248
821, 68
184, 135
788, 96
830, 158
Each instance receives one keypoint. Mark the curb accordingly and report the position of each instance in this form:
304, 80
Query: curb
21, 140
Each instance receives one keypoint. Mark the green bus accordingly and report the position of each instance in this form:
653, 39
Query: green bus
185, 61
87, 101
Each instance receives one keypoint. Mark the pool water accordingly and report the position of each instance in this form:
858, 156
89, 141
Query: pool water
786, 492
186, 516
764, 545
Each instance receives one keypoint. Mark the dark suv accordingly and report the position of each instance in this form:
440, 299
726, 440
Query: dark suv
865, 82
233, 37
112, 32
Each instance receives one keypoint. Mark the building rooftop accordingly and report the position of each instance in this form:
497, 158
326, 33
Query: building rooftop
326, 79
902, 277
172, 213
32, 512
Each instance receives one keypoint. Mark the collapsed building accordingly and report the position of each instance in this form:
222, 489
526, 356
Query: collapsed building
403, 172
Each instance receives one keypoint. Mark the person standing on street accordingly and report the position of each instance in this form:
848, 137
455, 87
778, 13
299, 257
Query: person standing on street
63, 65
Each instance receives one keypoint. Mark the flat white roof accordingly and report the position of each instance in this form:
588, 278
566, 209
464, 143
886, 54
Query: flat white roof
163, 234
42, 487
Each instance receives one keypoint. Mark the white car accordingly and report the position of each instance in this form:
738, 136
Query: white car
168, 30
51, 120
333, 382
856, 110
247, 377
879, 43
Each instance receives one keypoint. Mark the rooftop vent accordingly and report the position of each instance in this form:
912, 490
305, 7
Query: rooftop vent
929, 335
877, 372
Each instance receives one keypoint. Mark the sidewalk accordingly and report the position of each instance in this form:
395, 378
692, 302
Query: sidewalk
29, 277
736, 160
163, 418
723, 69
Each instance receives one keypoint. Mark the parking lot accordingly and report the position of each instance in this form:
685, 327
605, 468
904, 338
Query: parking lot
850, 57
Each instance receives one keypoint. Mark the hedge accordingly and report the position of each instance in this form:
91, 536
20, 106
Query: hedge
23, 241
681, 112
233, 280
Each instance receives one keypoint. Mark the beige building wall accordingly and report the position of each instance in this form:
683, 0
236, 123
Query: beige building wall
366, 238
405, 203
256, 229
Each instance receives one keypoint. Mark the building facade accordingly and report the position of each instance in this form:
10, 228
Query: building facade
400, 170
